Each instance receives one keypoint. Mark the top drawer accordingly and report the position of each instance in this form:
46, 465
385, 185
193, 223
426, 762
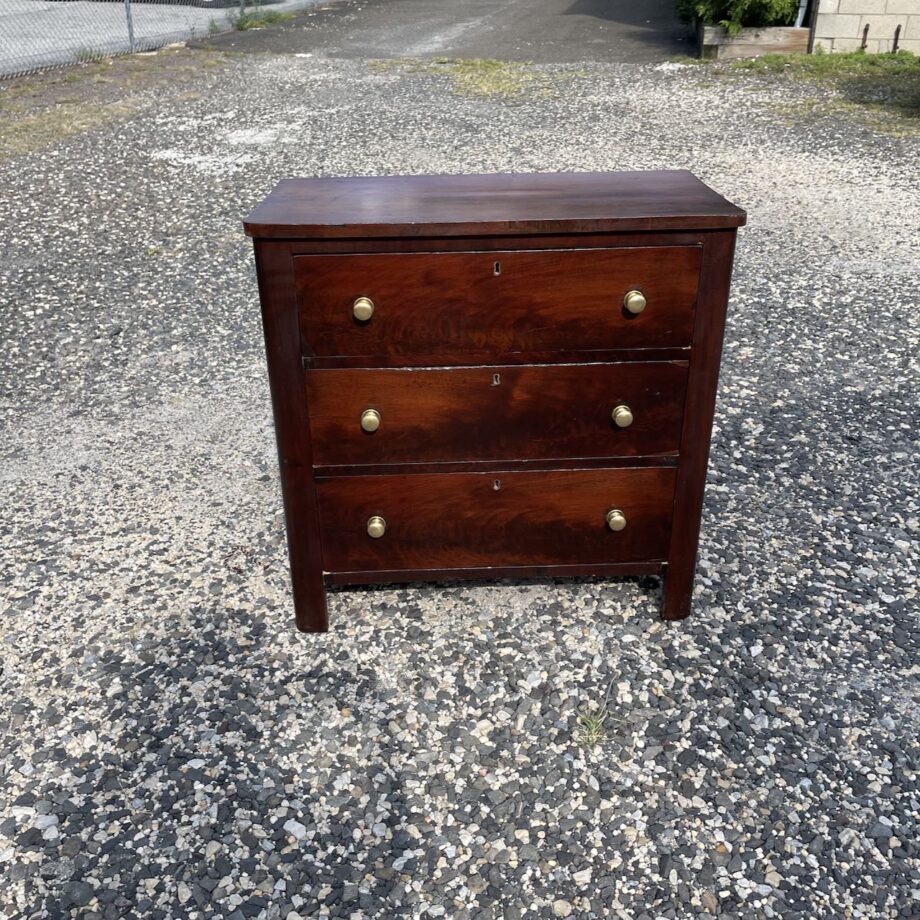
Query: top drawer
434, 305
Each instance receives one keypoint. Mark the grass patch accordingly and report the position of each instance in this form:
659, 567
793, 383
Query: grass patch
258, 19
484, 77
88, 56
40, 110
880, 81
823, 64
881, 90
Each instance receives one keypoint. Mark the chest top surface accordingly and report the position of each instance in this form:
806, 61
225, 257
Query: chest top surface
460, 205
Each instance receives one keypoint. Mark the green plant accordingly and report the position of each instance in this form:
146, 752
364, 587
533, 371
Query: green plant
903, 63
88, 56
591, 731
257, 19
591, 718
737, 14
878, 81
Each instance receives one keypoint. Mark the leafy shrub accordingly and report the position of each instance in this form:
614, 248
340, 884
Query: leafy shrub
738, 14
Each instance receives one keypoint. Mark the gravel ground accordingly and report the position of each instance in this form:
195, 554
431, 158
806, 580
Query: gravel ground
172, 748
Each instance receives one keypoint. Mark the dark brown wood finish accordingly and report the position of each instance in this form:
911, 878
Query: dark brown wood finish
495, 413
292, 431
475, 359
444, 304
506, 243
697, 425
498, 466
387, 206
472, 520
550, 324
496, 572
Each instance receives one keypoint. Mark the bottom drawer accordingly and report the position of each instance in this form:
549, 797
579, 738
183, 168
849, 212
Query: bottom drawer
460, 520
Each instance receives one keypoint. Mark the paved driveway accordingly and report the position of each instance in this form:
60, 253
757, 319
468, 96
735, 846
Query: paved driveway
543, 31
43, 33
171, 748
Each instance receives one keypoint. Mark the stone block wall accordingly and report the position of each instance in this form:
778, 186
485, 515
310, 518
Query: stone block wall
840, 25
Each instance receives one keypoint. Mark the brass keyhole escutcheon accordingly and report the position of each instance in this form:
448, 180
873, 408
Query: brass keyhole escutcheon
376, 527
635, 302
363, 309
497, 268
370, 420
496, 484
496, 380
616, 520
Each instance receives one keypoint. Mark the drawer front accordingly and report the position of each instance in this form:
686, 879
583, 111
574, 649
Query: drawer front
493, 303
457, 520
495, 413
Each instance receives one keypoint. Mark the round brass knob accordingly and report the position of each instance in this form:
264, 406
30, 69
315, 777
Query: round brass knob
634, 301
376, 526
622, 416
616, 520
370, 420
363, 309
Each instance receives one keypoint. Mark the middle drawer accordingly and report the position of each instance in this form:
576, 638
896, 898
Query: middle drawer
523, 412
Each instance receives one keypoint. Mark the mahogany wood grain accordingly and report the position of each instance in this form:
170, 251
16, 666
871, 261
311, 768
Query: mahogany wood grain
480, 243
697, 424
580, 353
496, 572
486, 466
435, 305
475, 359
292, 432
474, 520
373, 206
425, 248
450, 303
495, 412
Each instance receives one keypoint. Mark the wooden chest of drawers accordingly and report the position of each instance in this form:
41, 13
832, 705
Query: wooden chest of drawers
493, 376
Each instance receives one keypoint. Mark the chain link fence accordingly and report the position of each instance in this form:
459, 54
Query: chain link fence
36, 34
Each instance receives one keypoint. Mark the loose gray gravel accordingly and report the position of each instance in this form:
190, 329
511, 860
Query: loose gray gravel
172, 748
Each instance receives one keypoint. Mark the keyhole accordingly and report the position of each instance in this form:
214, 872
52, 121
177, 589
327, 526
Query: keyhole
496, 379
497, 268
496, 484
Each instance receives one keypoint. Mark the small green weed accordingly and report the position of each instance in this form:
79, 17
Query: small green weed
591, 730
592, 717
88, 56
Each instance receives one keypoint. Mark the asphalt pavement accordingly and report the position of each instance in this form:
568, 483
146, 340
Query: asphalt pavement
540, 31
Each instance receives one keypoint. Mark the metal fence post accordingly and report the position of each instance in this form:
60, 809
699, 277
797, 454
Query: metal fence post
130, 25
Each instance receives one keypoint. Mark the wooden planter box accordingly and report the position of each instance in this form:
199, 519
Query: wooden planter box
715, 42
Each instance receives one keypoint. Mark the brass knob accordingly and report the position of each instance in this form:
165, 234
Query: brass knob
370, 420
634, 301
376, 526
622, 416
363, 309
616, 520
